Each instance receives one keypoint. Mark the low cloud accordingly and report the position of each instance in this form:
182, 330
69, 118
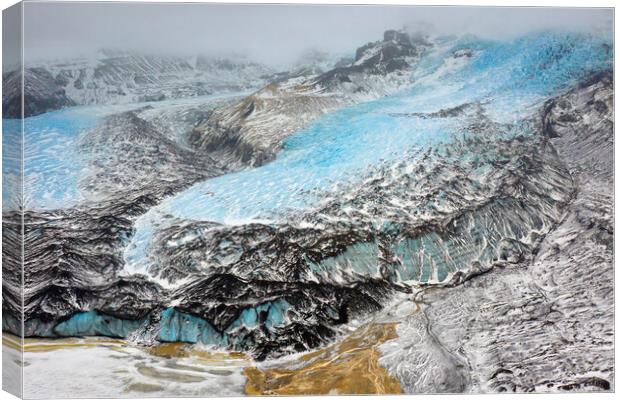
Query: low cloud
273, 34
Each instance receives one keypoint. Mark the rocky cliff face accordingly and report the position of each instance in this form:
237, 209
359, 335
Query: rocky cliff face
41, 93
251, 131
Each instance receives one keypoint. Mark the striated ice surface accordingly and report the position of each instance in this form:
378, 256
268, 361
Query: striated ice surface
506, 80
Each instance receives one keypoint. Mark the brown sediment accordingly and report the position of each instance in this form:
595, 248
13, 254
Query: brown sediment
349, 367
220, 355
11, 341
170, 350
166, 350
182, 350
144, 388
167, 375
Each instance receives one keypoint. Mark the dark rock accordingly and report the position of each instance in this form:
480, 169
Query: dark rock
41, 91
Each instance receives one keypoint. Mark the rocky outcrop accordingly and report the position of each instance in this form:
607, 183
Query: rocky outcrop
252, 130
125, 151
41, 93
394, 53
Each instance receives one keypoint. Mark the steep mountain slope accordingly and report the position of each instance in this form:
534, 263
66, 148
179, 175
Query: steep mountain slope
125, 151
41, 93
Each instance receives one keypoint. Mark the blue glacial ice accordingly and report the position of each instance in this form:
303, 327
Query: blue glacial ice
92, 323
510, 78
177, 326
52, 163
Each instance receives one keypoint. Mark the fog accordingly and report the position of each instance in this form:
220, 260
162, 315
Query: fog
272, 34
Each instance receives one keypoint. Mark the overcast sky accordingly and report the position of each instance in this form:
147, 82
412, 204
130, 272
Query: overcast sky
274, 34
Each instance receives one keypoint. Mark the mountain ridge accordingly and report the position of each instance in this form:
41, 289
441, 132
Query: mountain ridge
252, 130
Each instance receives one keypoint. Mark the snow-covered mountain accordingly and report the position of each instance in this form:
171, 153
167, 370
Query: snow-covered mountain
116, 77
253, 129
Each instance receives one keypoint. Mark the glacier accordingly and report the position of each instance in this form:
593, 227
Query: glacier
373, 133
447, 185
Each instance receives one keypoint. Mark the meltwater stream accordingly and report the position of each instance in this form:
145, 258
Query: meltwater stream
508, 79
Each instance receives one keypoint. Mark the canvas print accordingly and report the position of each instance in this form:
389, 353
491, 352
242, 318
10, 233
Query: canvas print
233, 199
